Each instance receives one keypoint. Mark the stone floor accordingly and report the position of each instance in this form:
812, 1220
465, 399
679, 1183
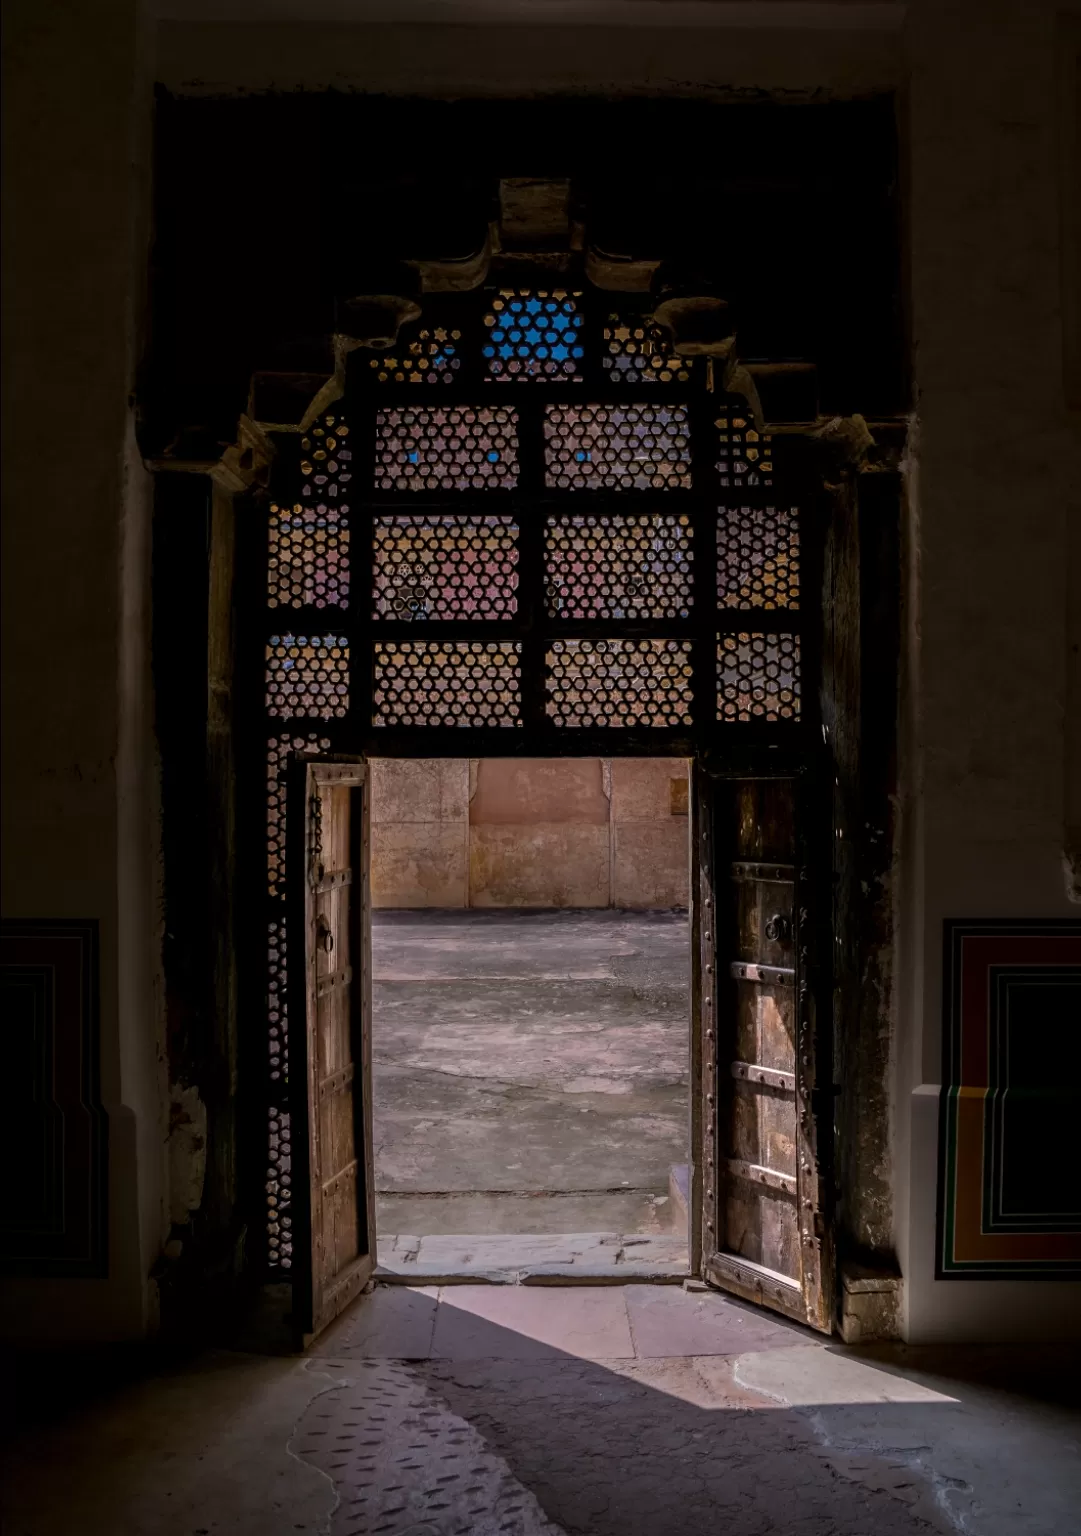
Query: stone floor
591, 1411
525, 1258
530, 1071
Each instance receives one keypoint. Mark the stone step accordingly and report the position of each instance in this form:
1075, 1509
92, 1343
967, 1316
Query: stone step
599, 1258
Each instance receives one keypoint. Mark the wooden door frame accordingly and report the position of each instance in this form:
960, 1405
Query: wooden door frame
704, 770
311, 1310
812, 987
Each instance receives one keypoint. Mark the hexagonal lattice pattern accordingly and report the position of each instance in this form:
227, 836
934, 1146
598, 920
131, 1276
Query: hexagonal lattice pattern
758, 677
433, 356
744, 455
455, 448
617, 447
279, 750
635, 352
619, 683
278, 1001
279, 1188
606, 569
533, 335
601, 566
758, 557
445, 567
307, 676
468, 682
279, 1145
308, 557
326, 466
279, 1177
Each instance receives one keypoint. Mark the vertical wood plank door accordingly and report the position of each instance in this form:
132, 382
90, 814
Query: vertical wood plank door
335, 1249
762, 1220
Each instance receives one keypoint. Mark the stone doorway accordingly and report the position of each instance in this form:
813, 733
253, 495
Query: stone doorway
531, 1016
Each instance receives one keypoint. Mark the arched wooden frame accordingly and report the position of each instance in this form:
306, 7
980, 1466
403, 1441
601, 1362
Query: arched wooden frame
811, 459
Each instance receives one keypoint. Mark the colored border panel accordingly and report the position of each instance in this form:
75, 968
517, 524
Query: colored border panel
991, 1224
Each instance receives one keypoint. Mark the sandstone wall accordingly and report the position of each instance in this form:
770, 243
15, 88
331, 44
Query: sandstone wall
530, 832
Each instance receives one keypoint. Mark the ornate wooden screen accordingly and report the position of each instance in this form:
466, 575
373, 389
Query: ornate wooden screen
527, 529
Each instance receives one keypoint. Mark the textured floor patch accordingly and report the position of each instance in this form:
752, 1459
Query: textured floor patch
405, 1464
895, 1443
562, 1447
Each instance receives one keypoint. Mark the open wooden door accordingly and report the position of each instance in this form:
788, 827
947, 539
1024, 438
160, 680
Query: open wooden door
764, 1232
334, 1182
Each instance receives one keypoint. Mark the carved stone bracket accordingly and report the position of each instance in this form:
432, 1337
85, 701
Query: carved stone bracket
244, 464
619, 274
292, 402
848, 437
845, 444
456, 274
282, 402
738, 380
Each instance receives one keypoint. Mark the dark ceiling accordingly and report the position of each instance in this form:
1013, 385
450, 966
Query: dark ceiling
268, 209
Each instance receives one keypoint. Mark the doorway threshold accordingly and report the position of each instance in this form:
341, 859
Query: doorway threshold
581, 1258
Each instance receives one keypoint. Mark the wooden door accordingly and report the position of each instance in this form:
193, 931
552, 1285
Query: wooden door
335, 1240
763, 1227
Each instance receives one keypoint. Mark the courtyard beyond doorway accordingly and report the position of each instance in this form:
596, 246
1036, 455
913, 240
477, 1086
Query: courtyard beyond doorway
531, 1010
531, 1091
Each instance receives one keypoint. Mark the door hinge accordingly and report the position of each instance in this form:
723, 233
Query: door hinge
316, 868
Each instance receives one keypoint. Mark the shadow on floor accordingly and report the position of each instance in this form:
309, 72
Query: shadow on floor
593, 1411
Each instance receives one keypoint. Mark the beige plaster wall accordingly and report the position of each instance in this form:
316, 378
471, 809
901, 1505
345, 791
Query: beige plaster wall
79, 773
638, 46
994, 486
530, 832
